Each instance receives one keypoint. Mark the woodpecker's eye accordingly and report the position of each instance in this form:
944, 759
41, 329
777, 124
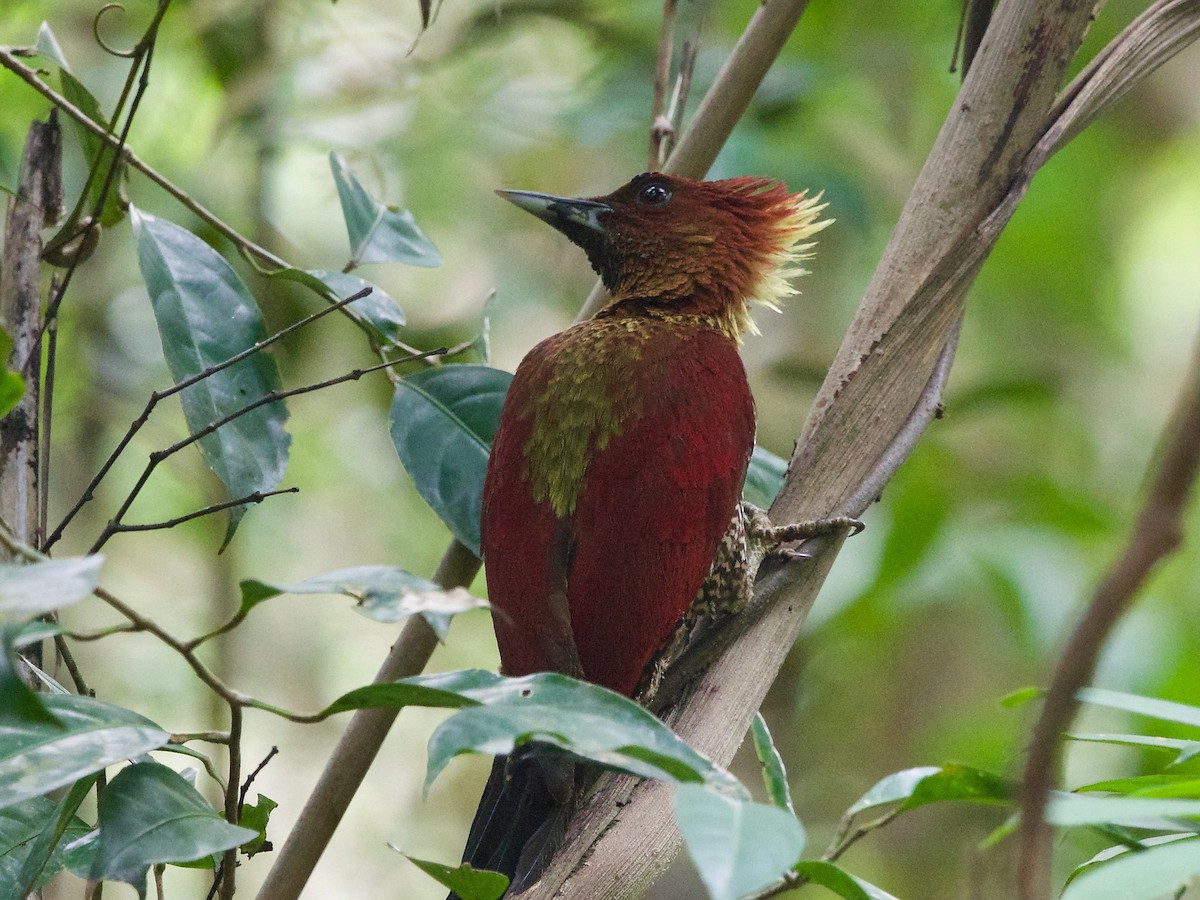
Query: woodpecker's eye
653, 194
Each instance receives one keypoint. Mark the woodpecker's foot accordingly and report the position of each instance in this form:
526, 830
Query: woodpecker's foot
772, 538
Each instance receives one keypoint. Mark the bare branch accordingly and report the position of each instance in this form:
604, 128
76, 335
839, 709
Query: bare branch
1157, 533
157, 396
256, 497
158, 456
660, 125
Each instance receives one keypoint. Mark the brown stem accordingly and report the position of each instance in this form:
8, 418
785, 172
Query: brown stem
1157, 533
232, 804
256, 497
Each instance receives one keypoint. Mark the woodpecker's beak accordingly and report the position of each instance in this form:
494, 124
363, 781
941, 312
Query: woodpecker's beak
567, 214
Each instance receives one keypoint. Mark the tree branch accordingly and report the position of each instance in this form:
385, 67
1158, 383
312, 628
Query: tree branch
1157, 533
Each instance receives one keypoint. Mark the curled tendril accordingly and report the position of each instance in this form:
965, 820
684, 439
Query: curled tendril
111, 51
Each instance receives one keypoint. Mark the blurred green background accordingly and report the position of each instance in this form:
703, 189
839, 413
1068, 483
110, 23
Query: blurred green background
973, 564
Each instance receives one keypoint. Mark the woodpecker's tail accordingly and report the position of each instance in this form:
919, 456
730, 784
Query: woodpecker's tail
522, 815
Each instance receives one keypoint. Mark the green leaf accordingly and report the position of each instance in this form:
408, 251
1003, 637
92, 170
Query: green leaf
1135, 740
1157, 871
892, 788
1148, 786
378, 233
32, 590
827, 875
738, 846
872, 891
443, 421
378, 310
1130, 812
764, 477
32, 844
582, 719
45, 853
256, 817
1021, 696
48, 47
149, 814
1147, 706
20, 705
933, 784
205, 316
34, 632
98, 153
382, 593
465, 880
774, 773
499, 714
88, 736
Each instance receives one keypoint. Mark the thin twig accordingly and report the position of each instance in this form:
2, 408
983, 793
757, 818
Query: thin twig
139, 72
244, 244
270, 397
1157, 533
211, 737
157, 396
660, 125
250, 779
68, 658
256, 497
232, 799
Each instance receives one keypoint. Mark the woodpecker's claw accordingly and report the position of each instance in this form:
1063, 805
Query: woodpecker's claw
772, 538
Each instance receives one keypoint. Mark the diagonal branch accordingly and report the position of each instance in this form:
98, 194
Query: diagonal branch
1158, 532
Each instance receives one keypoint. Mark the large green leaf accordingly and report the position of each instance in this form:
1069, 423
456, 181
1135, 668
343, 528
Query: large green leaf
87, 736
47, 852
465, 880
149, 814
499, 714
205, 316
1157, 871
33, 843
442, 423
382, 593
378, 233
1132, 812
28, 591
738, 846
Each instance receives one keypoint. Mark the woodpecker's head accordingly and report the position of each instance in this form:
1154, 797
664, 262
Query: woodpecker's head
712, 247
